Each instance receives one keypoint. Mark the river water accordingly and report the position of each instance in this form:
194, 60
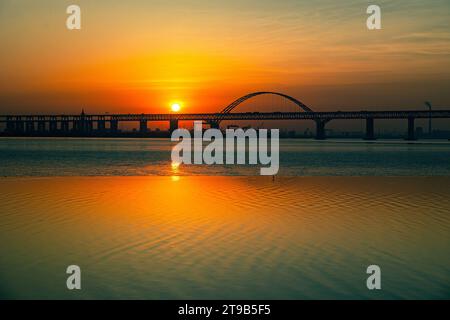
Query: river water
141, 228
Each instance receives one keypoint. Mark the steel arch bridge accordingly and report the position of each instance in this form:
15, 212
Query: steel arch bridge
237, 102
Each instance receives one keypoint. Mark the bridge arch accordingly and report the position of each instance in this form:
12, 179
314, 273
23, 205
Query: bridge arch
237, 102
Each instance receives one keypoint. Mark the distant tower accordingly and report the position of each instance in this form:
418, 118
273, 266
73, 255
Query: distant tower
428, 104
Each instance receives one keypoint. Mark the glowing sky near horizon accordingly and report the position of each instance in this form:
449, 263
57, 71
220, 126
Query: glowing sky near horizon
138, 56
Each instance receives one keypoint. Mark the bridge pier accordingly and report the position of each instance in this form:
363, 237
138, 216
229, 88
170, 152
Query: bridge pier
114, 125
143, 126
79, 126
29, 126
370, 132
41, 126
53, 125
20, 125
10, 125
65, 126
75, 125
101, 125
89, 126
411, 128
320, 129
173, 125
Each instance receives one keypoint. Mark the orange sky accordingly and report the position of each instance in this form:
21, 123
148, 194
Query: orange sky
138, 56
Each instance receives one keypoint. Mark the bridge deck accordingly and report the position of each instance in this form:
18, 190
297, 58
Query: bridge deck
401, 114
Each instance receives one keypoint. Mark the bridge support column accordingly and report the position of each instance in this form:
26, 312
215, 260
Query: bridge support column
65, 126
20, 126
173, 125
41, 125
101, 125
411, 129
29, 126
114, 125
10, 125
370, 132
89, 126
320, 129
79, 125
143, 125
53, 126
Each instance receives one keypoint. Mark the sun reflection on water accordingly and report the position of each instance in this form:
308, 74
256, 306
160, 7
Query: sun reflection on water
175, 168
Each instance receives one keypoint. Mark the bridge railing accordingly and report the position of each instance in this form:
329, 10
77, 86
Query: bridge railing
400, 114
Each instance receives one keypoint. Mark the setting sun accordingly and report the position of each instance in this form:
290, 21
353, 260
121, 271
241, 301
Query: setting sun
176, 107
